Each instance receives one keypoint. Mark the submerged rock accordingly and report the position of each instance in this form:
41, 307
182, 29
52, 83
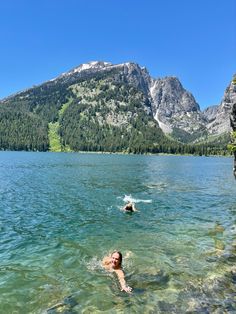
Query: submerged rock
146, 280
217, 229
64, 307
214, 294
166, 307
228, 257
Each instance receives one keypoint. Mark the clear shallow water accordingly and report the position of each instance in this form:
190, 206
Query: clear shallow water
61, 214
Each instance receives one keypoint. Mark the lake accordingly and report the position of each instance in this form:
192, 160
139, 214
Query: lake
61, 214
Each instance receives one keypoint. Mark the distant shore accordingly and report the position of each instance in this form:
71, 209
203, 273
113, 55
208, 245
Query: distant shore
120, 153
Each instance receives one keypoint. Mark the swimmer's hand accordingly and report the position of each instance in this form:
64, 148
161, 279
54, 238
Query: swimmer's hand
127, 289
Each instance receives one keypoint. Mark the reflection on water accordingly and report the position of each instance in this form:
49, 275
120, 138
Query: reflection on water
60, 215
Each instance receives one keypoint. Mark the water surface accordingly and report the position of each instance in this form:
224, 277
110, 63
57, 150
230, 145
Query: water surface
61, 213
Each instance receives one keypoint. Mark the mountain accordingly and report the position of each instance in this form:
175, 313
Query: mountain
219, 116
99, 106
94, 107
176, 110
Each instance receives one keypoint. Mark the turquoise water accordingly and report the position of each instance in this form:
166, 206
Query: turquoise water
61, 214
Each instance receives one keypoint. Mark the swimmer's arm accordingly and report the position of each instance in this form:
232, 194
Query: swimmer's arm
121, 278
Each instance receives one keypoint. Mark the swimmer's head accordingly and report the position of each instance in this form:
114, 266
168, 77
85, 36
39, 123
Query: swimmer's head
129, 207
116, 259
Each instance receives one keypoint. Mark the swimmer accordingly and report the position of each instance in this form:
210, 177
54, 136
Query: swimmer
129, 207
113, 263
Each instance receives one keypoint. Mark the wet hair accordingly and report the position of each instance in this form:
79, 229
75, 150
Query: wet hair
120, 255
129, 207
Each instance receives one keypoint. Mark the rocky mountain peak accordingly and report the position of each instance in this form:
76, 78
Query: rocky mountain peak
174, 107
219, 118
129, 72
93, 65
168, 92
135, 76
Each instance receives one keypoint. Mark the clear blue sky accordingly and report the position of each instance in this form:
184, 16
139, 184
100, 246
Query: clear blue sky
194, 40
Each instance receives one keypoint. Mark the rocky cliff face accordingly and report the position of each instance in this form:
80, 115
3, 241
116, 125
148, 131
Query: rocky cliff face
219, 116
233, 125
174, 107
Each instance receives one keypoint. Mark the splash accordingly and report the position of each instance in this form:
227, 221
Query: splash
94, 264
129, 198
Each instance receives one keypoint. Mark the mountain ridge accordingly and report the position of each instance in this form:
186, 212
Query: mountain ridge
100, 86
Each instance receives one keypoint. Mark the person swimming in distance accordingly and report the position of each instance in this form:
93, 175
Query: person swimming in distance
129, 207
113, 263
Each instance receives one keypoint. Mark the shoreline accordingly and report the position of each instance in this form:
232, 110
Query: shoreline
117, 153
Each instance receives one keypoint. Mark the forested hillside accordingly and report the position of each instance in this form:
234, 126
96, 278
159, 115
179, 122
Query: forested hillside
96, 113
